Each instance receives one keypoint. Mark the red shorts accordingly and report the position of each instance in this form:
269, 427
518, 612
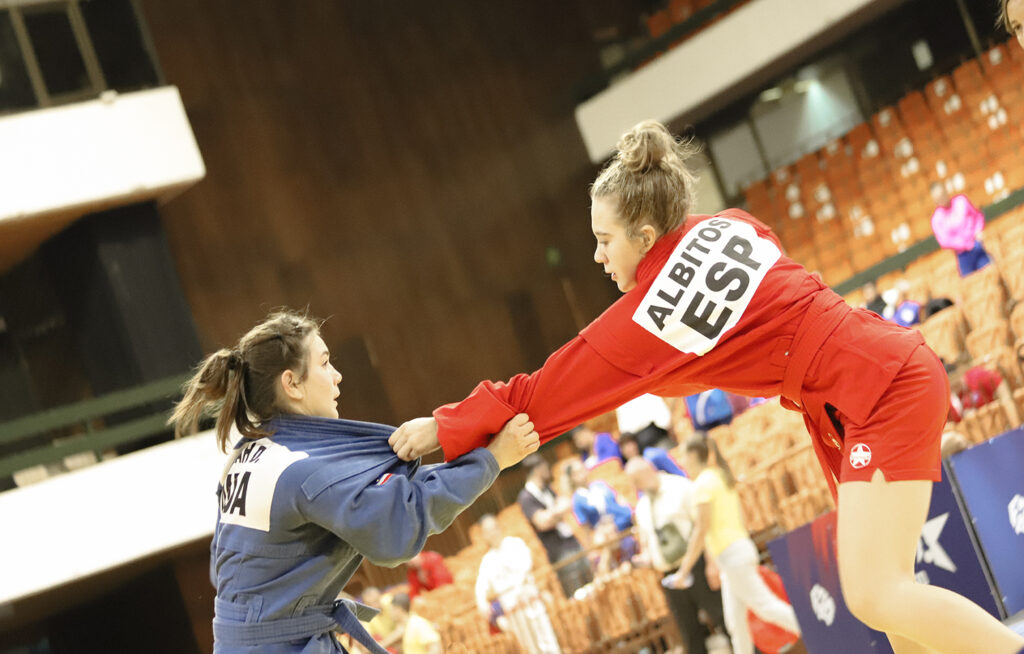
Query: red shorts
903, 435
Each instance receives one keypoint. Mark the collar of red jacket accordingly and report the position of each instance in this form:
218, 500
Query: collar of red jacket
654, 260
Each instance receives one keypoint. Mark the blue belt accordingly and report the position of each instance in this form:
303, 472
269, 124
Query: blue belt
342, 615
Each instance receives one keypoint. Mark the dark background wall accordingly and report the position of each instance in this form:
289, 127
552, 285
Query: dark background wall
402, 168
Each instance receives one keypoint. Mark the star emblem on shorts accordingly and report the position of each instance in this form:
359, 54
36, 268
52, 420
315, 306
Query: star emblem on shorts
860, 455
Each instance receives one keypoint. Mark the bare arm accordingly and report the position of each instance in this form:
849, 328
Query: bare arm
695, 547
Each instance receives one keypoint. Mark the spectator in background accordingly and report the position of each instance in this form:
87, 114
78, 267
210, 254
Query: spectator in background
933, 306
419, 635
978, 386
382, 627
709, 409
873, 302
594, 447
506, 593
906, 311
546, 513
664, 521
612, 548
718, 525
426, 571
957, 225
648, 418
658, 456
593, 500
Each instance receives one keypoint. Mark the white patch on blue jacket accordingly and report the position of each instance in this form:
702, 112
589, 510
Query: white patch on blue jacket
247, 488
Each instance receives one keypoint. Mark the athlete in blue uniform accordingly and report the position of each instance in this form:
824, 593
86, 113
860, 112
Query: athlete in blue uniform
305, 496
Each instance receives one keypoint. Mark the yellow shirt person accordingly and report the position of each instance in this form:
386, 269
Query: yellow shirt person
726, 515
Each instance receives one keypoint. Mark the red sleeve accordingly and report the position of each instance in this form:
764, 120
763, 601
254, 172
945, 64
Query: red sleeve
414, 582
575, 384
438, 571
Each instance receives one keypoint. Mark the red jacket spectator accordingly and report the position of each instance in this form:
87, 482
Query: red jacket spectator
427, 571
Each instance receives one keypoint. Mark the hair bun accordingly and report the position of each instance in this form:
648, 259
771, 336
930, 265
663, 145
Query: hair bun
645, 146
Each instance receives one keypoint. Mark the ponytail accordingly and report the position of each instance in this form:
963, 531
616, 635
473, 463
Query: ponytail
217, 383
239, 385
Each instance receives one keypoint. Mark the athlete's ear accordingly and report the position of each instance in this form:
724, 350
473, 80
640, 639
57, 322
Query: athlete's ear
290, 385
648, 236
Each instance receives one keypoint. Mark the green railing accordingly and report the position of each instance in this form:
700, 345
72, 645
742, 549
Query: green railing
82, 414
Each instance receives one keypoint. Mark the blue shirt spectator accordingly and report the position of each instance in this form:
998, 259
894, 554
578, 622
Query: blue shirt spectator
709, 409
594, 500
658, 456
594, 447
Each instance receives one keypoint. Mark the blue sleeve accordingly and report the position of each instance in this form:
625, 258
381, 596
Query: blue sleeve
389, 523
662, 461
605, 447
622, 515
584, 512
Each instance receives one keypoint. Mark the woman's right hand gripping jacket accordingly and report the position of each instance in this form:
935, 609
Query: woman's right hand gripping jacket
515, 440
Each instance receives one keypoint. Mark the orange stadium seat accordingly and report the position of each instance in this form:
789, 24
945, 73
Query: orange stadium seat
888, 128
968, 78
868, 192
658, 23
1017, 321
981, 283
944, 333
1012, 270
858, 137
680, 10
988, 338
1001, 70
948, 106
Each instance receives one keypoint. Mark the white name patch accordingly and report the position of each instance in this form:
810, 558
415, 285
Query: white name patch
706, 285
247, 488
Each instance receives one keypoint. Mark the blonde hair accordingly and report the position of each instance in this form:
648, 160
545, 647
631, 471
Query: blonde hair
239, 385
1004, 18
649, 179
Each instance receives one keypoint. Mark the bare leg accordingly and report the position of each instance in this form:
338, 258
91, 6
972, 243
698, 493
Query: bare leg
879, 526
901, 645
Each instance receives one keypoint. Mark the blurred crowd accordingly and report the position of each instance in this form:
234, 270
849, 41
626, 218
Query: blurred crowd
625, 498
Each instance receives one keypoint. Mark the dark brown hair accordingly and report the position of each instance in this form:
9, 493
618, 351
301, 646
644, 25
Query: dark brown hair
649, 179
239, 385
702, 446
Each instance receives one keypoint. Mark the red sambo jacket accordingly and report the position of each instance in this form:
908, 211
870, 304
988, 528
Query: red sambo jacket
717, 305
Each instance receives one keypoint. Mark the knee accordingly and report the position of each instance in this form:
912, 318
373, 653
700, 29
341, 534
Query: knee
862, 602
870, 603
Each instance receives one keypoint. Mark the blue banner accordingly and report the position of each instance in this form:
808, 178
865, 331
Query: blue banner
946, 554
946, 557
806, 560
991, 480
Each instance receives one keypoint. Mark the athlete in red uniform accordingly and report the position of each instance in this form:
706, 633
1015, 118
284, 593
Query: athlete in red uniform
713, 302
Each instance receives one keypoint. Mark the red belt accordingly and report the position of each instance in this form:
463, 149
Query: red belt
823, 315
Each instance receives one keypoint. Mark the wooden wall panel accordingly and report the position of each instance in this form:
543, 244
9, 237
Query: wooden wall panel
400, 167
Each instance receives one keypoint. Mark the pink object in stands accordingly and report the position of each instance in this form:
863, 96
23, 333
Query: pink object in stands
957, 225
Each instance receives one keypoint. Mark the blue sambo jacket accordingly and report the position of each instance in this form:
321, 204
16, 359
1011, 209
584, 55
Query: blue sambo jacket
298, 512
